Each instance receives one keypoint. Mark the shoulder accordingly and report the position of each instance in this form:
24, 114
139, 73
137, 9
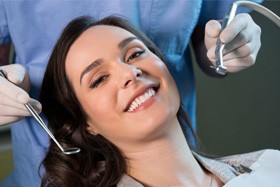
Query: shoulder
127, 181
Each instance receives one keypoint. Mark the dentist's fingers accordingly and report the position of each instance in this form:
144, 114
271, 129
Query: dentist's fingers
239, 41
5, 120
8, 110
239, 52
18, 83
36, 105
240, 23
242, 30
238, 64
11, 112
6, 101
12, 91
15, 73
237, 60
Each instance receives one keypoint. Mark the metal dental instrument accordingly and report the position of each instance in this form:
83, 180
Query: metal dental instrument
67, 151
219, 67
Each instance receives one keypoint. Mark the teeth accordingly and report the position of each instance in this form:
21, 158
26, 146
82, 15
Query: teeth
141, 99
138, 101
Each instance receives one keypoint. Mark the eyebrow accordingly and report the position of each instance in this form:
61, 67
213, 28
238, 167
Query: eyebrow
94, 64
126, 41
99, 61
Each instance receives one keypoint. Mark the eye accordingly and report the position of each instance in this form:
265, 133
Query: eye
135, 54
100, 80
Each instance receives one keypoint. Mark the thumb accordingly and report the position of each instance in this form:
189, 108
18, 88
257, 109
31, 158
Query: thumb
17, 74
212, 32
213, 28
17, 79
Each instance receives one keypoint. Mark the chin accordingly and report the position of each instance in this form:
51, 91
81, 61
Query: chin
159, 121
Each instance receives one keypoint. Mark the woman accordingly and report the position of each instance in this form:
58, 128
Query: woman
107, 91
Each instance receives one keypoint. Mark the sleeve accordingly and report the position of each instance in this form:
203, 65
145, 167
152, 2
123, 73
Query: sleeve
4, 31
218, 9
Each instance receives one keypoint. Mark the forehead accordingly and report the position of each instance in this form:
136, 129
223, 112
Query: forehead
97, 40
103, 33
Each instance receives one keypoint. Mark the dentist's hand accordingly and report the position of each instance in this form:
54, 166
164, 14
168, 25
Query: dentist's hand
242, 42
13, 94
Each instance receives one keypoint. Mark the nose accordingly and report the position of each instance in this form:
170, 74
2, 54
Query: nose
128, 75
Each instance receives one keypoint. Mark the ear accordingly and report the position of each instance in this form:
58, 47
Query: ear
91, 129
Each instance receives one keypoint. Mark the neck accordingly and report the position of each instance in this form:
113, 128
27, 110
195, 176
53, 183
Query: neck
166, 161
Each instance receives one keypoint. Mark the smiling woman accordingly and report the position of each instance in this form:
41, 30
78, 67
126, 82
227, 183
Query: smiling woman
113, 96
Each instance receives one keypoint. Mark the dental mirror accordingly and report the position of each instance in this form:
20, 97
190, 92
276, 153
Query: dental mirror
67, 151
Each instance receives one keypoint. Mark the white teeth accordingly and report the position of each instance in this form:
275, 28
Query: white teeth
141, 99
138, 101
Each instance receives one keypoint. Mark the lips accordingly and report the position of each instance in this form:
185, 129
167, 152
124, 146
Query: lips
141, 96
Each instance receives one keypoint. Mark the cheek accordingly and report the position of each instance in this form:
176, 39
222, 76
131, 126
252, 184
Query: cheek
96, 107
170, 86
153, 66
156, 67
162, 71
100, 111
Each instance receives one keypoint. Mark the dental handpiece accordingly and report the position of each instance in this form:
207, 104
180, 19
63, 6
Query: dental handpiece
219, 67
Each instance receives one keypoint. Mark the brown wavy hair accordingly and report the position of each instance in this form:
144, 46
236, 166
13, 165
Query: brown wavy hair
100, 162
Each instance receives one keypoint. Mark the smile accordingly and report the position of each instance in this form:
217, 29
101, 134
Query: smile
142, 99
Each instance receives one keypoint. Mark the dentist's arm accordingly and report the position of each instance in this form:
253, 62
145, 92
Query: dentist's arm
242, 39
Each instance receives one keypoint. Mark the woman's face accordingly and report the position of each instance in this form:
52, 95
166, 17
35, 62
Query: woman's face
126, 92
